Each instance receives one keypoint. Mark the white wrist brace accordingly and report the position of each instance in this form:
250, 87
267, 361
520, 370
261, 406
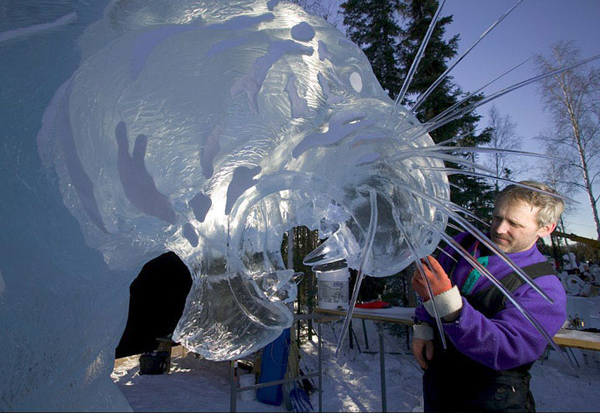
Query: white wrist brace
446, 303
423, 331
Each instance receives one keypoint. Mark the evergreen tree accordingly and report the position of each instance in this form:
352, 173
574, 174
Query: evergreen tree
470, 192
372, 25
391, 47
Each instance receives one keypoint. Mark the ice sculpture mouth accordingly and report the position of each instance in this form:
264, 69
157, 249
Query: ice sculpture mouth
256, 280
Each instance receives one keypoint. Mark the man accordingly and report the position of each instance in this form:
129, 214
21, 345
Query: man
490, 344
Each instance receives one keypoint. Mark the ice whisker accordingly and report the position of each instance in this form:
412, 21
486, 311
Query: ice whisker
493, 150
455, 208
456, 171
442, 156
469, 149
455, 227
443, 251
470, 94
426, 151
360, 275
458, 208
456, 138
419, 266
439, 80
482, 238
430, 126
470, 214
453, 185
419, 55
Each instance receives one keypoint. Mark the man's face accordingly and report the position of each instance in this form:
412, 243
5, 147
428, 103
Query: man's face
515, 227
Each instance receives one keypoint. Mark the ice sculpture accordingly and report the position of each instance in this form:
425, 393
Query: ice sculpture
207, 128
210, 129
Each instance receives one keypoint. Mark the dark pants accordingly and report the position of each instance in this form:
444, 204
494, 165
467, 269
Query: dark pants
453, 382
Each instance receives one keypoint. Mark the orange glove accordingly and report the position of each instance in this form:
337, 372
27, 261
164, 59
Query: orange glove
440, 283
448, 301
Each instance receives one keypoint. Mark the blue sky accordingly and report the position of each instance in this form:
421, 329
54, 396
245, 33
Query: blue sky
530, 29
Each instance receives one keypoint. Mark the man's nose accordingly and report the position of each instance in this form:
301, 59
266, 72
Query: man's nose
501, 227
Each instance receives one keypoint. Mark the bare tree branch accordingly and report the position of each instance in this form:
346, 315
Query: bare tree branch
572, 98
503, 136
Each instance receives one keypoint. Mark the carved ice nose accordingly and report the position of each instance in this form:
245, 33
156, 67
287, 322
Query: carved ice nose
340, 246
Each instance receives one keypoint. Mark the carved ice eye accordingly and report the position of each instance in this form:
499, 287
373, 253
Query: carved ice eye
356, 82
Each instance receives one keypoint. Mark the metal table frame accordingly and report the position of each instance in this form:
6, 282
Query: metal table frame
395, 315
399, 315
319, 373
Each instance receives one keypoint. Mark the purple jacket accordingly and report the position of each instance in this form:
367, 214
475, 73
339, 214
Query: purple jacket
507, 340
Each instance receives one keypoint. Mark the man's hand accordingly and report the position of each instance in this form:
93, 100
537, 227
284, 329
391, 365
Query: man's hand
448, 302
440, 283
423, 351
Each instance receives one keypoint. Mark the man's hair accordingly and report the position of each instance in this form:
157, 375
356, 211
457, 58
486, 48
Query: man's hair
551, 206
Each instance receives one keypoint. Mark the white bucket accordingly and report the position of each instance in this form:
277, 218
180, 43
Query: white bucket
333, 288
247, 380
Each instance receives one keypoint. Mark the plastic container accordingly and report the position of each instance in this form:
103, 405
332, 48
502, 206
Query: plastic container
155, 362
247, 380
333, 288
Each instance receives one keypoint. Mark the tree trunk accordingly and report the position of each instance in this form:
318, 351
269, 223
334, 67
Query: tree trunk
581, 152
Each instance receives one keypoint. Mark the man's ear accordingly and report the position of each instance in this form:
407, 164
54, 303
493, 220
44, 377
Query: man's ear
546, 230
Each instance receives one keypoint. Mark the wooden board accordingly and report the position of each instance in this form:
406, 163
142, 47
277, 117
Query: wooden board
578, 339
400, 315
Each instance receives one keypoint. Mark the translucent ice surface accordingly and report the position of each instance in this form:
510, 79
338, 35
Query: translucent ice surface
210, 135
206, 128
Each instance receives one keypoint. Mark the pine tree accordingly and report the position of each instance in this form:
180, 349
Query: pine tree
372, 25
391, 47
470, 192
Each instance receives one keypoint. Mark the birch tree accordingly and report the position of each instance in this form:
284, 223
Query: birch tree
573, 100
503, 136
556, 176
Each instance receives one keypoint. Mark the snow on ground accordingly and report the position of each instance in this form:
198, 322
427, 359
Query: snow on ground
350, 383
556, 389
